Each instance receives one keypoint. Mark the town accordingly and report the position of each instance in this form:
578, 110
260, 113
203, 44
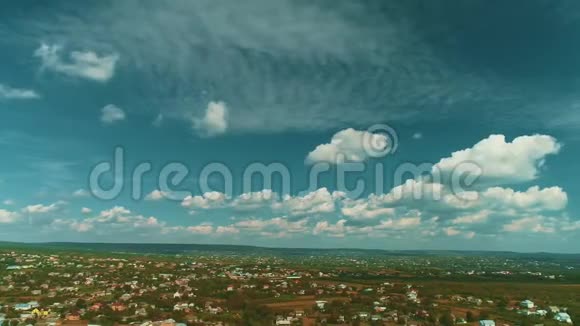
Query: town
65, 287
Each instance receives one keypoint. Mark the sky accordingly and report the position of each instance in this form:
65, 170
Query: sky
324, 124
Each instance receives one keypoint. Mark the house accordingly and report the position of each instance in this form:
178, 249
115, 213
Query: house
321, 304
486, 322
281, 321
363, 315
180, 307
22, 306
142, 312
117, 306
563, 318
96, 307
554, 309
541, 312
527, 304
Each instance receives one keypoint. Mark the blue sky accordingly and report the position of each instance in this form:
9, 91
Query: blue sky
296, 83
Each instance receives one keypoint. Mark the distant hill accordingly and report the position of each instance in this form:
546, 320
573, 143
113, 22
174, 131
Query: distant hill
175, 249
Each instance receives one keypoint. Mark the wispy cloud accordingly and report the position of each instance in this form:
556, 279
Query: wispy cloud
111, 114
83, 64
315, 79
10, 93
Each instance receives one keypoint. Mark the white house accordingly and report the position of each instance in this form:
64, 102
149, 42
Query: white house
527, 304
486, 322
563, 317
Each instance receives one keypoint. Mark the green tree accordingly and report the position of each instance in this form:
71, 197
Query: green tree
447, 319
470, 316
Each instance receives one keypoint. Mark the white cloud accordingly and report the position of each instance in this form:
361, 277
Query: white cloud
551, 199
365, 210
272, 226
398, 224
227, 230
417, 135
569, 225
478, 217
9, 93
8, 216
81, 227
80, 193
42, 209
83, 64
535, 224
337, 229
208, 200
452, 231
500, 161
215, 120
115, 213
111, 114
8, 202
254, 200
156, 195
115, 219
316, 202
200, 229
349, 145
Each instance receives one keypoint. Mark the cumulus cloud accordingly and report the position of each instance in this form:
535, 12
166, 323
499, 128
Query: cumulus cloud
113, 214
534, 224
200, 229
208, 200
316, 202
364, 210
477, 217
400, 223
156, 195
349, 145
274, 226
215, 120
450, 231
83, 64
81, 227
501, 162
7, 216
111, 114
9, 93
42, 209
227, 230
254, 200
534, 198
336, 230
115, 219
